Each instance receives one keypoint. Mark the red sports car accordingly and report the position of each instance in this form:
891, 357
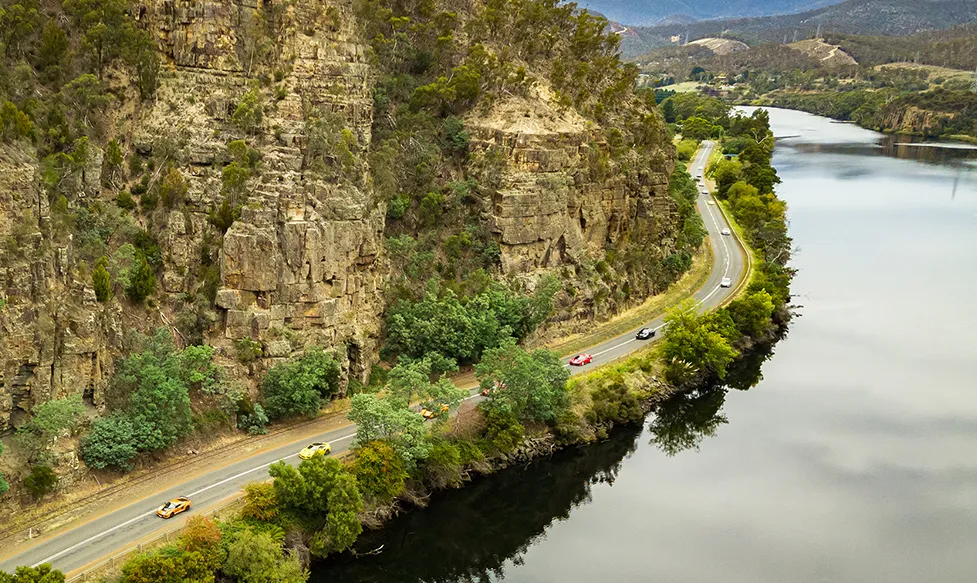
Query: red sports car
581, 359
498, 386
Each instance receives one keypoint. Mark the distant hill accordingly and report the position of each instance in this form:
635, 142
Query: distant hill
720, 46
830, 55
652, 12
863, 17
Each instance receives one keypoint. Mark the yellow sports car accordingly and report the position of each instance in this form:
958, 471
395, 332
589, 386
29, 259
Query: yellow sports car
173, 507
315, 449
429, 414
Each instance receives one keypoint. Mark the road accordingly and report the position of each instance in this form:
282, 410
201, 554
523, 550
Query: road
110, 533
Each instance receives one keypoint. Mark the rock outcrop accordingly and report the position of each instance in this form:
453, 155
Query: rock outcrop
304, 263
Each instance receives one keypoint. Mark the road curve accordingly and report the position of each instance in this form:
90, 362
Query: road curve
111, 532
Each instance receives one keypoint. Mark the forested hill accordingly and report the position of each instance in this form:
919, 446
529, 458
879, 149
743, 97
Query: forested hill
863, 17
651, 12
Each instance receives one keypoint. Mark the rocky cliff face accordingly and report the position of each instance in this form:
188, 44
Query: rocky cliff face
914, 120
304, 263
563, 202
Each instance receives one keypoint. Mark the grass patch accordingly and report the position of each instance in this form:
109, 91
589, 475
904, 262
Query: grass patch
653, 307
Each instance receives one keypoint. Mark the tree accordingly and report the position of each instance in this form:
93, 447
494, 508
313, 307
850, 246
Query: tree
51, 420
40, 481
697, 128
173, 188
289, 485
142, 282
411, 379
255, 557
668, 110
168, 565
260, 502
4, 486
202, 536
109, 444
342, 525
693, 344
752, 313
379, 471
535, 383
726, 173
40, 574
249, 112
101, 280
298, 387
377, 418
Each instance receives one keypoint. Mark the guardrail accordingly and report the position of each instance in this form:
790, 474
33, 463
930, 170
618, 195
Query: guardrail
108, 566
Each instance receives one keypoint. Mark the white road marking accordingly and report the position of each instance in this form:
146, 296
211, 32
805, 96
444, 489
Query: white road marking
153, 512
351, 435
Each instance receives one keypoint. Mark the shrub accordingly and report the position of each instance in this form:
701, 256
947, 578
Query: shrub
40, 481
379, 471
260, 502
124, 200
142, 281
504, 430
109, 444
256, 557
443, 465
247, 350
299, 386
101, 281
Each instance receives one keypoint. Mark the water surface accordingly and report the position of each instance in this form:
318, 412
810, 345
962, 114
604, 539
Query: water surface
854, 459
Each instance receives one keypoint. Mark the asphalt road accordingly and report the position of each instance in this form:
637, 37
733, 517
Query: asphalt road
110, 533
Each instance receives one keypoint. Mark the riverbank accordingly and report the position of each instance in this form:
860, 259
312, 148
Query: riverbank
937, 114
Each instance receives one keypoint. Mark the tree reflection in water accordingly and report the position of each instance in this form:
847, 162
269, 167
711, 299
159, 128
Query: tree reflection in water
469, 534
683, 421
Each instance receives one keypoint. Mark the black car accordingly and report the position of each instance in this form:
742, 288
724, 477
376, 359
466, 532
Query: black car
645, 333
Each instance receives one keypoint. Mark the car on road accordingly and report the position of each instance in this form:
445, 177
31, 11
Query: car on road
726, 282
710, 201
727, 232
498, 386
173, 507
581, 359
703, 191
434, 411
314, 450
645, 333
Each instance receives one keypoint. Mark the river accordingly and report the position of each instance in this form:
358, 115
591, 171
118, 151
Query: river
852, 459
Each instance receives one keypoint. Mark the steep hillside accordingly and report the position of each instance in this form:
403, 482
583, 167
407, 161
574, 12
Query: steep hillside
260, 179
830, 55
720, 46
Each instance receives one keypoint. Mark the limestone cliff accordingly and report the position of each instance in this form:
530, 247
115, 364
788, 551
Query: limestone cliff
304, 262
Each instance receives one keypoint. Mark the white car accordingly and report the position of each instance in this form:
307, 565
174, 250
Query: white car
726, 282
726, 232
710, 201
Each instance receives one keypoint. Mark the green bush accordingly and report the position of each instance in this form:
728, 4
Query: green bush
299, 386
443, 465
40, 481
110, 443
101, 281
142, 282
504, 430
379, 471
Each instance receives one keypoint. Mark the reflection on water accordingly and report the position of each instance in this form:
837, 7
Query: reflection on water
470, 534
850, 459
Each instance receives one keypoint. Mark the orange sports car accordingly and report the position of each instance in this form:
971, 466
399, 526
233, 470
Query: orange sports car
173, 507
